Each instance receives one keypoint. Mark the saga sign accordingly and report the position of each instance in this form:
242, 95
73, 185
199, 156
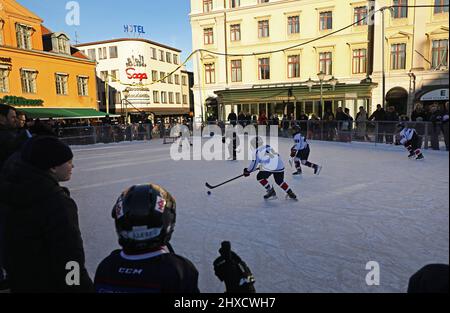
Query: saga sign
131, 74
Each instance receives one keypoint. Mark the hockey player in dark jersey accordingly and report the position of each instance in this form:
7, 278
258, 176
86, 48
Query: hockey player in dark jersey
411, 140
300, 153
269, 163
145, 219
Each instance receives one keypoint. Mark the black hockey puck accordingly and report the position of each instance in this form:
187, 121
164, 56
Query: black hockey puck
209, 193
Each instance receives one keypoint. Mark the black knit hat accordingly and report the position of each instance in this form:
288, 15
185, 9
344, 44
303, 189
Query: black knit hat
46, 152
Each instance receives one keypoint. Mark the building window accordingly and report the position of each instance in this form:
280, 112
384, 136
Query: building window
210, 73
162, 77
184, 99
293, 66
2, 24
171, 98
23, 34
168, 57
28, 78
162, 56
208, 36
113, 52
236, 71
175, 59
263, 29
184, 80
154, 54
102, 53
235, 3
441, 6
263, 68
169, 79
155, 96
326, 20
115, 75
398, 56
235, 32
104, 76
439, 53
207, 6
4, 80
92, 55
154, 76
83, 86
326, 63
63, 45
61, 84
400, 9
360, 16
293, 25
177, 79
359, 61
163, 97
178, 98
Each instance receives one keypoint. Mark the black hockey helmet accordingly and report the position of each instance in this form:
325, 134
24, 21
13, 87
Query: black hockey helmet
145, 217
401, 126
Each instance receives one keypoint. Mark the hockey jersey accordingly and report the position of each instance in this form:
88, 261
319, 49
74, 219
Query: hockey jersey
156, 272
300, 142
267, 159
406, 135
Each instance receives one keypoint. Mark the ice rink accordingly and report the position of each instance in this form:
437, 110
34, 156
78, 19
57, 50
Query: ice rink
369, 204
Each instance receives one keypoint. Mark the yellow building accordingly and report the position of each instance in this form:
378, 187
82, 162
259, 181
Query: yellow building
270, 59
40, 73
415, 54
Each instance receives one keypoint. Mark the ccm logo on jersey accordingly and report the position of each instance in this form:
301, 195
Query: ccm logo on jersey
160, 204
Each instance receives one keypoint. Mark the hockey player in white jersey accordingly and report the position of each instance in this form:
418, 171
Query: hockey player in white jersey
411, 140
268, 162
300, 153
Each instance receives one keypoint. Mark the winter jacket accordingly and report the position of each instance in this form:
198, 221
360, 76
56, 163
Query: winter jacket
10, 141
378, 115
42, 233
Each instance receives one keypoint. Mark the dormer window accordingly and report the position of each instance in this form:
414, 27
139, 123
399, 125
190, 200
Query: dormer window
23, 34
60, 43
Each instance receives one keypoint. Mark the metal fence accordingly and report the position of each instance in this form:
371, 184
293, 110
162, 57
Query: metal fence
434, 135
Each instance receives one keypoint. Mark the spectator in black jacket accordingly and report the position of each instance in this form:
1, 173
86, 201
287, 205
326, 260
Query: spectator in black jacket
42, 230
303, 122
445, 118
232, 118
10, 139
436, 118
379, 116
392, 118
242, 119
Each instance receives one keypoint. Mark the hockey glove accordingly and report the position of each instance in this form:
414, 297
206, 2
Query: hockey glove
246, 172
293, 153
230, 269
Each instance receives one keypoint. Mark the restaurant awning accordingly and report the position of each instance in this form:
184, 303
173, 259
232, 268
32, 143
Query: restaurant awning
44, 113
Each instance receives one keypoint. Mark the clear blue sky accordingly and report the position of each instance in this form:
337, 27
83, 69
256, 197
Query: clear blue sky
164, 21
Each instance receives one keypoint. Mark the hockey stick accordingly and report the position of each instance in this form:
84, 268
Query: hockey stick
228, 181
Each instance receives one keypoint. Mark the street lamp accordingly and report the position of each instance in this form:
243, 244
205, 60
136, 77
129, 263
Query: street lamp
125, 94
310, 84
333, 82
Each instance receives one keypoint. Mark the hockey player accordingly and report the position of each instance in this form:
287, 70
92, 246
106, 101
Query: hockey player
300, 153
145, 219
411, 140
269, 163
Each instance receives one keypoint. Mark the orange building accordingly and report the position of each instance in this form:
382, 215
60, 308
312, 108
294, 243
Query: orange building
40, 73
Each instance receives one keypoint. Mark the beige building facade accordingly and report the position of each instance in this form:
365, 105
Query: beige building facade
264, 55
415, 54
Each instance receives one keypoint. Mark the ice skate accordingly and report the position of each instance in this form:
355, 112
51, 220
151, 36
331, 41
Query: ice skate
271, 194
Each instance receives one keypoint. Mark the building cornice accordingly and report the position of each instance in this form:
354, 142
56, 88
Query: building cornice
96, 43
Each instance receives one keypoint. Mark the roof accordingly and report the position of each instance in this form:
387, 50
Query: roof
45, 30
127, 39
63, 113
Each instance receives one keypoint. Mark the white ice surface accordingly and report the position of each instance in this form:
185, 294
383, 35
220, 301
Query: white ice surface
369, 204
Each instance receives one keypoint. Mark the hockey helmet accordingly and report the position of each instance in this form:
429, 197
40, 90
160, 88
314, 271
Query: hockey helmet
401, 126
256, 142
145, 217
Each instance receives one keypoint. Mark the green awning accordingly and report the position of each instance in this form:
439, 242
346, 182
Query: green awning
63, 113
